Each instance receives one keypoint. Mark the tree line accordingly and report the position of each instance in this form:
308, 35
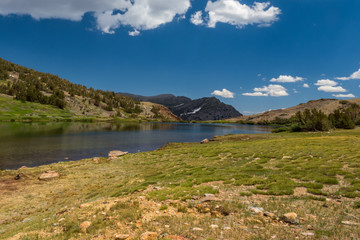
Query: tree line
45, 88
316, 120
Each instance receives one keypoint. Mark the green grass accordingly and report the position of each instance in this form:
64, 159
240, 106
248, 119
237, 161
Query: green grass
252, 166
11, 109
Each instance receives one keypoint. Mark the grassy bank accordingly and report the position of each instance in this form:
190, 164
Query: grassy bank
315, 175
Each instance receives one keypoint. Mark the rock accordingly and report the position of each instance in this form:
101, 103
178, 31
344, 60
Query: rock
84, 226
290, 218
205, 141
256, 210
307, 234
286, 157
270, 215
18, 176
197, 229
209, 198
23, 167
349, 223
121, 236
174, 237
149, 236
85, 205
49, 175
227, 228
116, 153
66, 158
214, 226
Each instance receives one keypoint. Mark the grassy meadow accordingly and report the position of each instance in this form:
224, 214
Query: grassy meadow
315, 175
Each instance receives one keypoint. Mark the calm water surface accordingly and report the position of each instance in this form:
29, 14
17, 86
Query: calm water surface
33, 144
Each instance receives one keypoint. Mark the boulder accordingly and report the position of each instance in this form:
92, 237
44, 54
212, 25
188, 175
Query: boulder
116, 154
48, 175
290, 217
205, 141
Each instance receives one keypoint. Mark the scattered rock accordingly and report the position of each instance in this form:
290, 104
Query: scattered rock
116, 153
121, 236
174, 237
286, 157
197, 229
84, 226
307, 234
149, 236
227, 228
256, 210
205, 141
290, 218
66, 158
49, 175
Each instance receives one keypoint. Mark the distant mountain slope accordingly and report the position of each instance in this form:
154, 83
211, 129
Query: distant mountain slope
208, 108
27, 85
325, 105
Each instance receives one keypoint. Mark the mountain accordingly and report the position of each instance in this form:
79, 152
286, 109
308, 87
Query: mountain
325, 105
66, 99
202, 109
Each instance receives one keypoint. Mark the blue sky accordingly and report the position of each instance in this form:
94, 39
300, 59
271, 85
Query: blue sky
262, 53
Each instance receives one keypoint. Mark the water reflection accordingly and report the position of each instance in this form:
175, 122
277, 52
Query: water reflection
34, 144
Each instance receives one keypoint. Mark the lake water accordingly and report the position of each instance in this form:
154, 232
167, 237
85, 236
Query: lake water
33, 144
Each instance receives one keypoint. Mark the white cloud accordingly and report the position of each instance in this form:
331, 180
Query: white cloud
327, 85
331, 89
237, 14
224, 93
196, 18
271, 90
134, 33
306, 85
355, 75
326, 82
350, 95
109, 14
286, 79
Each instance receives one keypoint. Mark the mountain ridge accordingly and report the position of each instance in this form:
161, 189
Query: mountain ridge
202, 109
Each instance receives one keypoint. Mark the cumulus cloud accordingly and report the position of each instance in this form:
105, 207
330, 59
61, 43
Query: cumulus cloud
109, 14
286, 79
224, 93
196, 18
355, 75
326, 82
271, 90
327, 85
306, 85
350, 95
237, 14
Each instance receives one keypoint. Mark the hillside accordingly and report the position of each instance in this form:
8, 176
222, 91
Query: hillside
325, 105
67, 99
208, 108
267, 186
